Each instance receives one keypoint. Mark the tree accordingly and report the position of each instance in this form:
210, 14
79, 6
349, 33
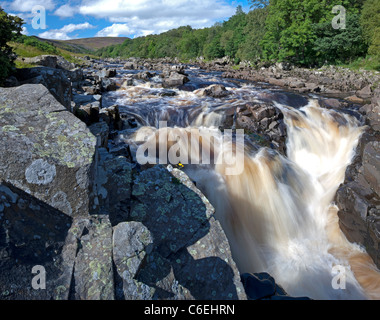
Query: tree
290, 27
370, 21
10, 28
339, 46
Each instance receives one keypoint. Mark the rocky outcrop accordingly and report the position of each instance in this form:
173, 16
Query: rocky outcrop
262, 123
358, 197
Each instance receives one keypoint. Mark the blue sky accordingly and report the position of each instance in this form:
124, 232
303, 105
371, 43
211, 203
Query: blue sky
119, 18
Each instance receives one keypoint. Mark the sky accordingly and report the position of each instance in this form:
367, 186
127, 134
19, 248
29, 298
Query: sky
74, 19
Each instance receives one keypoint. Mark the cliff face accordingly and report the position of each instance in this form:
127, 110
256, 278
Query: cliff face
358, 198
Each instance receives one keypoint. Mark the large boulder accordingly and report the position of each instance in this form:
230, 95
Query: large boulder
174, 80
49, 61
173, 247
45, 150
215, 91
53, 79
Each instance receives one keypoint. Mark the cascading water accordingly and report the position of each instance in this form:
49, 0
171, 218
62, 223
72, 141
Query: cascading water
278, 213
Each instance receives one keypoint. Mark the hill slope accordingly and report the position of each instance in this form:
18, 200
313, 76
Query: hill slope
84, 45
96, 42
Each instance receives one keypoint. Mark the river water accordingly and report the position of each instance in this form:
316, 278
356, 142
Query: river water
276, 210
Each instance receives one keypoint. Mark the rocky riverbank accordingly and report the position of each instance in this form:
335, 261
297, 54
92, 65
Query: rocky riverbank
73, 201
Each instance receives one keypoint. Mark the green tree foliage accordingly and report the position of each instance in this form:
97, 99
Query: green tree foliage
292, 28
10, 28
34, 42
238, 38
339, 46
370, 21
298, 31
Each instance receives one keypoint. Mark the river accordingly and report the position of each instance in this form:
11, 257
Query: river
277, 211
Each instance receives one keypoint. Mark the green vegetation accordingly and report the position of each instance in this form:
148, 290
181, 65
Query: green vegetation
28, 47
37, 44
238, 38
296, 31
10, 27
370, 20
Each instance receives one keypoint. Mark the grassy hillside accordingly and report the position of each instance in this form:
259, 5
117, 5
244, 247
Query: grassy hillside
85, 45
97, 42
27, 47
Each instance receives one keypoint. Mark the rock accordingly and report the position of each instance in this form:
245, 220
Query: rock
32, 235
132, 242
190, 255
62, 63
296, 84
93, 269
112, 186
88, 114
45, 150
53, 79
88, 99
373, 116
357, 198
354, 99
144, 75
92, 90
261, 286
371, 165
331, 103
11, 82
263, 124
365, 93
130, 65
313, 87
107, 73
167, 93
175, 79
74, 75
215, 91
128, 82
115, 121
44, 60
101, 131
109, 85
278, 82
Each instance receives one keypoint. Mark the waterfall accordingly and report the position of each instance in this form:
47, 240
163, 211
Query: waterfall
278, 213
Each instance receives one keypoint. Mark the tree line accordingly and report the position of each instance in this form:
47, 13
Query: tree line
296, 31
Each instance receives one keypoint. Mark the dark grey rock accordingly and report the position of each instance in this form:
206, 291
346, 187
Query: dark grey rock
187, 240
45, 150
54, 80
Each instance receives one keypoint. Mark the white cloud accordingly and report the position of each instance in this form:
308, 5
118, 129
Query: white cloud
24, 31
63, 33
28, 5
116, 30
143, 17
65, 11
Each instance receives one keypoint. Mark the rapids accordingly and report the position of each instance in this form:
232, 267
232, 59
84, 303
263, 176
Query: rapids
277, 212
